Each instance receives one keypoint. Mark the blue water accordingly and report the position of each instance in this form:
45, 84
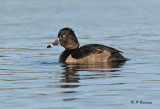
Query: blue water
32, 78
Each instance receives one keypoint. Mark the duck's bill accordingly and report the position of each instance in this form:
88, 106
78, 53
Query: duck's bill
55, 43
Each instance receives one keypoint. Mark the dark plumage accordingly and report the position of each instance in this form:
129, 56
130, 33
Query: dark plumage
90, 53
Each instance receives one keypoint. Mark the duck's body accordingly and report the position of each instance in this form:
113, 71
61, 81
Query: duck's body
91, 53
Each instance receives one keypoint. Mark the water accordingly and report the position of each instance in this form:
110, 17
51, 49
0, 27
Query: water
32, 78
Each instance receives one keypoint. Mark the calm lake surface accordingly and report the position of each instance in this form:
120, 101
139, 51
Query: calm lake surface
32, 78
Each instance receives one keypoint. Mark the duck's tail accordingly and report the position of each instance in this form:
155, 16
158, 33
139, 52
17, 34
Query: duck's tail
127, 59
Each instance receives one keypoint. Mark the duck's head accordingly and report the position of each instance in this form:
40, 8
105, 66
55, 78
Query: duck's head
66, 38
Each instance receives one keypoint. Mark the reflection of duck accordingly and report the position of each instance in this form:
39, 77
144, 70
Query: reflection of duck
98, 67
86, 54
71, 76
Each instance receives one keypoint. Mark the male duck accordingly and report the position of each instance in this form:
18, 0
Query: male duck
90, 53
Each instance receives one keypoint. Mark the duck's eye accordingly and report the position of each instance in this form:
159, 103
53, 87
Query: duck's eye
64, 35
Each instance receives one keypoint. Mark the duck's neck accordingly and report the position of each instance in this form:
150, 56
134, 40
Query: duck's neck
72, 46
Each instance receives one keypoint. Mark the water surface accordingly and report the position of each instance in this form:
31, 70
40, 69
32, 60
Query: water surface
32, 78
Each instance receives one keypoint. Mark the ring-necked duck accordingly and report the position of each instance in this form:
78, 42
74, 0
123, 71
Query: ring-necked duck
90, 53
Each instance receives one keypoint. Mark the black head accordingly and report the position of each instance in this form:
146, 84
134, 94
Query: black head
66, 38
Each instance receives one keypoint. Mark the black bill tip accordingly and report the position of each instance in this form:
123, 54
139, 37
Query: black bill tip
49, 46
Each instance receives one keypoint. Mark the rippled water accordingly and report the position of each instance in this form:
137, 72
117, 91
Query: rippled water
32, 78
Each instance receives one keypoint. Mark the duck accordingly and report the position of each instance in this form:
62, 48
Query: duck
90, 53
